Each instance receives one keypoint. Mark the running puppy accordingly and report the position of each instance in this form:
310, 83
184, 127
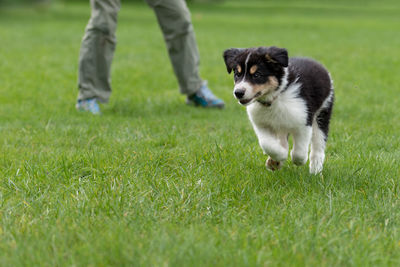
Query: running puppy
284, 96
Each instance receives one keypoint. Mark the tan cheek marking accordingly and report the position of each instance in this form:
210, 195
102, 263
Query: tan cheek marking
253, 69
239, 69
268, 87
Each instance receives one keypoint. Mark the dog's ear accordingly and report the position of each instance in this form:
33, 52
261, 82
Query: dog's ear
277, 55
230, 58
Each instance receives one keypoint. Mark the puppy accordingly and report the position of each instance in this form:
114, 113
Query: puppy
284, 96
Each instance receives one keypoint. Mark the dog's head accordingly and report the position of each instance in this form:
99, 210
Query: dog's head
258, 71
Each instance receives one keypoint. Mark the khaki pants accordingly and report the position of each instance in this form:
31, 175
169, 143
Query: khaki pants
99, 41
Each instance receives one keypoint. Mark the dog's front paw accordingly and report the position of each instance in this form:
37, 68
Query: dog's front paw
298, 159
273, 165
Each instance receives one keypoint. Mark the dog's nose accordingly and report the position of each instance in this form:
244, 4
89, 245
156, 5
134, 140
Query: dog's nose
239, 93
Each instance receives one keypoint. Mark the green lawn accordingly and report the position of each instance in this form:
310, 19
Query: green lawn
155, 182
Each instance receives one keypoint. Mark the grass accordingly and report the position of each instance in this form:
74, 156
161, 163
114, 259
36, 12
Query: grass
155, 182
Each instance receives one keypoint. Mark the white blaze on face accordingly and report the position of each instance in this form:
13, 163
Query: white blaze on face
243, 84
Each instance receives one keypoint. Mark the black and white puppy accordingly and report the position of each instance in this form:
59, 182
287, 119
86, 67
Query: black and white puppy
284, 96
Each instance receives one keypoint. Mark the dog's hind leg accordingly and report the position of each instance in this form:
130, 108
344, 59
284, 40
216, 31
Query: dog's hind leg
320, 129
317, 154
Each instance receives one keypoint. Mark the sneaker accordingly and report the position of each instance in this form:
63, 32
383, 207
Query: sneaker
205, 98
89, 105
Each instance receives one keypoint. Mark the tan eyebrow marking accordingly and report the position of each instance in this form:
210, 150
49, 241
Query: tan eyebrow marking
253, 69
238, 68
268, 57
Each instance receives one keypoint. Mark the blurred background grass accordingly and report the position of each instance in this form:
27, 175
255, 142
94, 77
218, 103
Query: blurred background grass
154, 182
33, 2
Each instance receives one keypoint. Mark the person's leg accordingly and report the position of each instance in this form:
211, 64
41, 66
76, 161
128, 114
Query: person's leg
174, 19
175, 22
97, 51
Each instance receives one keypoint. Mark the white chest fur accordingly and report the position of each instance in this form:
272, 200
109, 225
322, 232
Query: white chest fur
286, 113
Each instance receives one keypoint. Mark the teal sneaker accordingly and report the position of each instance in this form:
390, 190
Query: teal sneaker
89, 105
205, 98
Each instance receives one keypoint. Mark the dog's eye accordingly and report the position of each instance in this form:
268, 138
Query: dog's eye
237, 74
256, 75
